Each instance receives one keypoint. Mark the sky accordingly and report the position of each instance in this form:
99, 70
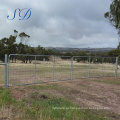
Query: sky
59, 23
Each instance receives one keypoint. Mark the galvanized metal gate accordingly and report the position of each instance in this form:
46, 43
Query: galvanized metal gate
22, 69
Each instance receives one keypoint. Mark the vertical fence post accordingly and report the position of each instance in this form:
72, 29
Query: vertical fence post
89, 68
116, 68
71, 73
8, 70
53, 67
5, 70
35, 71
102, 67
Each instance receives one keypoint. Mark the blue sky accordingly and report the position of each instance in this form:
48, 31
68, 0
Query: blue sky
60, 23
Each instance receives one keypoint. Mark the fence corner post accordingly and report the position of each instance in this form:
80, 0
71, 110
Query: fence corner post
5, 70
116, 68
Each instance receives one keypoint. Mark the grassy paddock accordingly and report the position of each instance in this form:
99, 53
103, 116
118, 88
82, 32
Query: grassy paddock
41, 106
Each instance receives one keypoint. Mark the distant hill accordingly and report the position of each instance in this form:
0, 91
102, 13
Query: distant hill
90, 50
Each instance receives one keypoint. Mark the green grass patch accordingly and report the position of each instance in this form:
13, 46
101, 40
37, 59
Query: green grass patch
39, 106
56, 108
5, 97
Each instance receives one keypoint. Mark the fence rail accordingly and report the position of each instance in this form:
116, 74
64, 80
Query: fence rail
29, 69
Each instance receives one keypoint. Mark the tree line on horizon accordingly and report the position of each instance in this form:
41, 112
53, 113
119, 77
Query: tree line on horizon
9, 46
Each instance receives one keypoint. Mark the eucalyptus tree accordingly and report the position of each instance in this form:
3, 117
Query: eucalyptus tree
24, 37
114, 16
15, 33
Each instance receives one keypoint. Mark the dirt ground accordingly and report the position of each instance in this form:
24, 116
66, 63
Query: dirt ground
92, 93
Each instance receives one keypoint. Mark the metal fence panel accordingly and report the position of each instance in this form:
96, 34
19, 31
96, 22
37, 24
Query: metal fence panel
30, 69
21, 70
62, 68
80, 67
95, 67
109, 66
44, 69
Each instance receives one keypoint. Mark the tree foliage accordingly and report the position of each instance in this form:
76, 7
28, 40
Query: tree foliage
15, 33
9, 46
24, 37
114, 53
114, 14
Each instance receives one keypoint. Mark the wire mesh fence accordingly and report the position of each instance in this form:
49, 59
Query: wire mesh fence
30, 69
81, 67
21, 70
43, 69
109, 67
62, 68
88, 67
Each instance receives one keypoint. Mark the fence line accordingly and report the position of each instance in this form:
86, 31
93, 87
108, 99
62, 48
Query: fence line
23, 69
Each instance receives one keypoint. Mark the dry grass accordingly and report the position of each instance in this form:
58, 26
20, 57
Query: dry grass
21, 73
85, 93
